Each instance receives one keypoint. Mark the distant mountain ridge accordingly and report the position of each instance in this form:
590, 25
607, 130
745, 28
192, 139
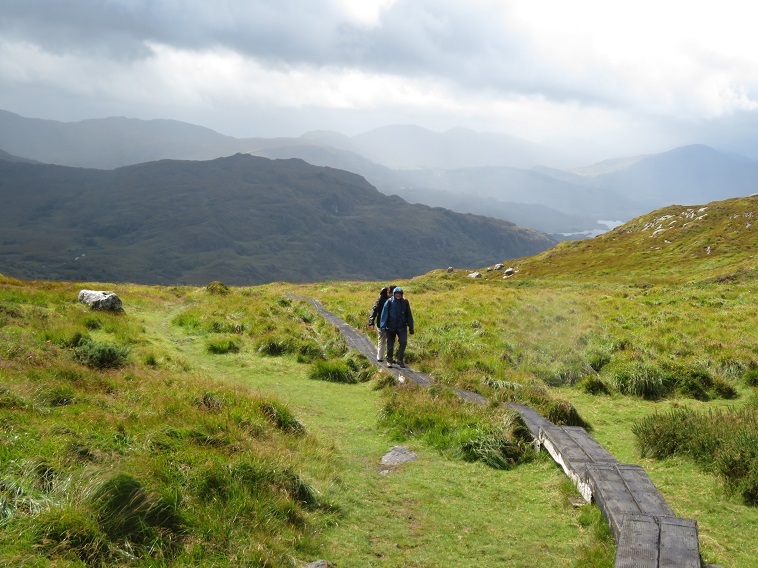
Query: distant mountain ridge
685, 175
107, 143
241, 219
5, 156
469, 172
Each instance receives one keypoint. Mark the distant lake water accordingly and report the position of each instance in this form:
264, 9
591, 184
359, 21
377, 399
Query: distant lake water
594, 232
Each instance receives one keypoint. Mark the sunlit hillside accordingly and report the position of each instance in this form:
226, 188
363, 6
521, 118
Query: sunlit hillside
677, 244
233, 426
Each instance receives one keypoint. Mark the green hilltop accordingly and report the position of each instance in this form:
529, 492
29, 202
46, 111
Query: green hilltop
676, 244
231, 425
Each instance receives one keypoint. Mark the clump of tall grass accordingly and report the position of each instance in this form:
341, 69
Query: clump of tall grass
352, 368
333, 371
222, 345
385, 380
132, 516
597, 358
115, 519
70, 533
636, 378
564, 375
500, 445
237, 481
654, 381
751, 377
280, 416
277, 344
722, 388
437, 416
594, 385
61, 395
92, 323
218, 288
721, 441
538, 397
100, 355
12, 400
8, 311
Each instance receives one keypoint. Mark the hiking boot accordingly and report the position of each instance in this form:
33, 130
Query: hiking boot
379, 360
401, 364
389, 363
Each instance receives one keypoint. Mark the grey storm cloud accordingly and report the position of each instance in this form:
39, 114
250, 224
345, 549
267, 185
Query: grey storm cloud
586, 70
453, 41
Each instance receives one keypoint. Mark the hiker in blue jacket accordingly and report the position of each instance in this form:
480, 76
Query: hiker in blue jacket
396, 322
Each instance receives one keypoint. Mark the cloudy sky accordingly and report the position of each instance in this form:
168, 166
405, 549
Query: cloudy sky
620, 76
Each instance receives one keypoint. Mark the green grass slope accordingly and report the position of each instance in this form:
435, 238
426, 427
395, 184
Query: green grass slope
675, 244
229, 425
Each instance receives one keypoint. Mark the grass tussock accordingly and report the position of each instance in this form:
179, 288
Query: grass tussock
724, 442
496, 437
352, 368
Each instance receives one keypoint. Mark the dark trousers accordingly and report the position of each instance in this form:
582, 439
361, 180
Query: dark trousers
402, 338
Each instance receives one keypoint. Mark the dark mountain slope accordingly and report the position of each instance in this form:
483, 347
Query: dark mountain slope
242, 219
5, 156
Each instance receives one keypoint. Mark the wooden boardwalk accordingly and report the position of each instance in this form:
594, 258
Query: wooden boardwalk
647, 532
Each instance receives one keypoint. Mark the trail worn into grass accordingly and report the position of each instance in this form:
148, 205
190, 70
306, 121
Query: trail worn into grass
429, 513
627, 500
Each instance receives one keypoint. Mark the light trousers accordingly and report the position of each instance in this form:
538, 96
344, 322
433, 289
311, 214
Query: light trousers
381, 346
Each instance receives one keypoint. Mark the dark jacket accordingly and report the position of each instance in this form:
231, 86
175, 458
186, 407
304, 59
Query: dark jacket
376, 311
396, 314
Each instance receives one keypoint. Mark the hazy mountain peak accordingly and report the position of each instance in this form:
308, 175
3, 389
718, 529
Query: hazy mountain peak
608, 166
323, 135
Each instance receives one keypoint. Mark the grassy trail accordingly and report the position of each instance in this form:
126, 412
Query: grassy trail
432, 512
438, 508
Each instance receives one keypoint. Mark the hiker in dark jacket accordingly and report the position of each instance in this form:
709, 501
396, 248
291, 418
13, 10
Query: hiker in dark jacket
396, 322
376, 312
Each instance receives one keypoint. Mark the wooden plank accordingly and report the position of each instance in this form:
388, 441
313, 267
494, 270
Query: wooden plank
637, 545
591, 447
611, 495
470, 396
644, 492
566, 447
679, 547
568, 455
534, 421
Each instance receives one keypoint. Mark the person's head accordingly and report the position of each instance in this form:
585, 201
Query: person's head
392, 288
397, 292
384, 292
